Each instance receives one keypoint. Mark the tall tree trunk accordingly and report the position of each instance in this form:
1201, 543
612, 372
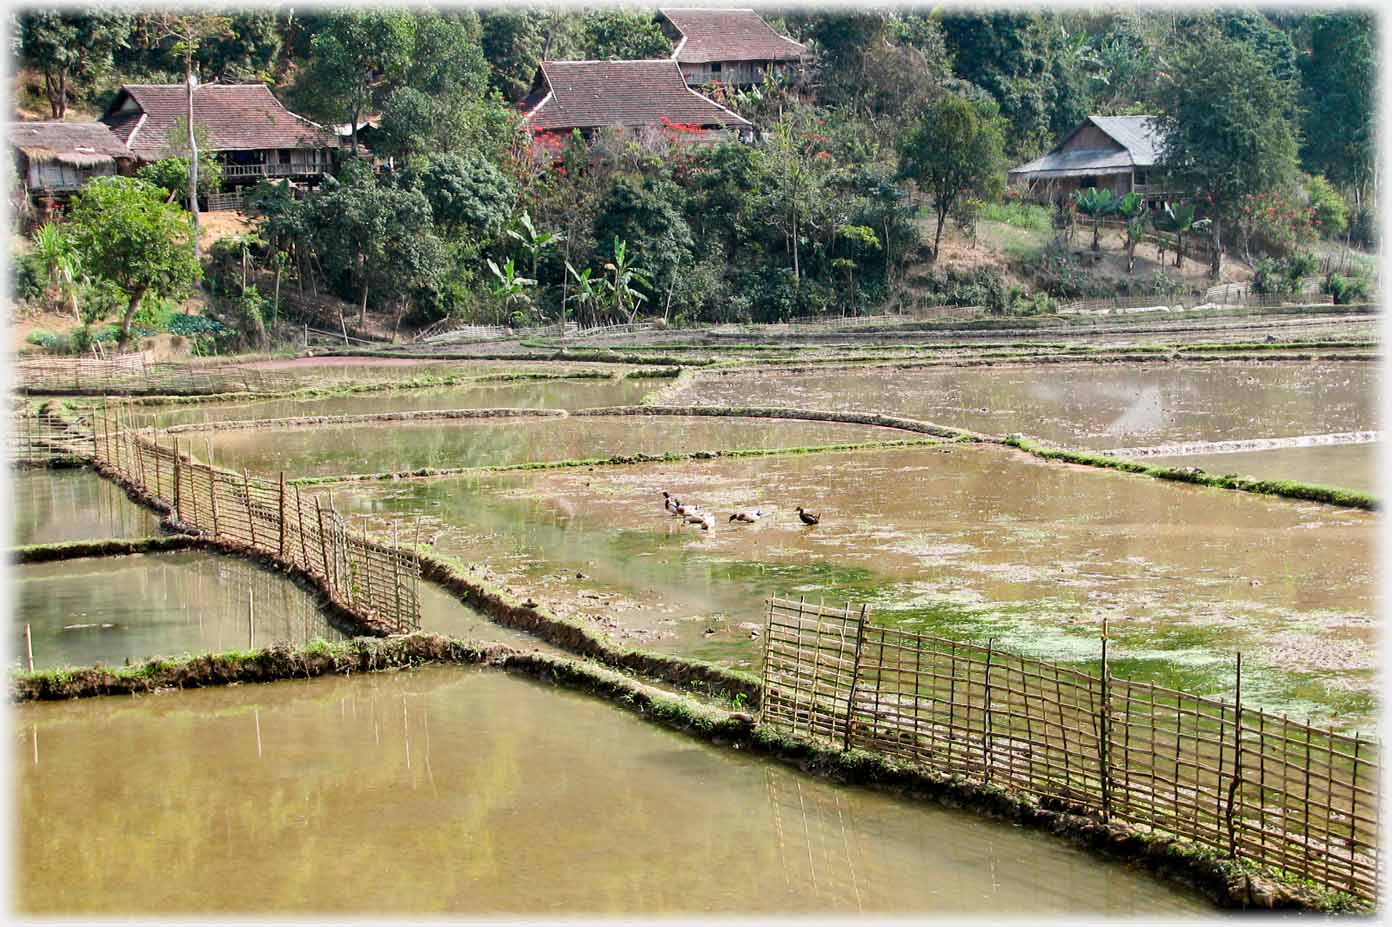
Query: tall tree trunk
193, 150
1216, 265
1179, 251
131, 308
797, 268
1096, 233
937, 236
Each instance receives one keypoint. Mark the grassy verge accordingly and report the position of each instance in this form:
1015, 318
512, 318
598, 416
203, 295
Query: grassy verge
107, 547
418, 415
1287, 489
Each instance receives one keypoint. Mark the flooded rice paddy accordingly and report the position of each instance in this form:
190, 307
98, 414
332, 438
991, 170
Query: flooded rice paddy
52, 506
461, 791
966, 542
402, 446
541, 394
1085, 405
113, 609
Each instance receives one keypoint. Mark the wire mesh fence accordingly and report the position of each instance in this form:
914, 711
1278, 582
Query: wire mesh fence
1244, 782
378, 580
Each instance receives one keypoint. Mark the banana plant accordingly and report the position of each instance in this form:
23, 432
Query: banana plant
1181, 219
622, 293
533, 242
509, 288
1132, 209
1097, 205
60, 259
587, 293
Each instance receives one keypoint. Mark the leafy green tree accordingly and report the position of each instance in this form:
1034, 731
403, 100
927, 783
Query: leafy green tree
172, 174
357, 59
1331, 215
247, 51
1228, 124
70, 48
54, 250
1339, 99
468, 195
647, 211
1182, 219
124, 231
622, 35
955, 151
514, 41
798, 174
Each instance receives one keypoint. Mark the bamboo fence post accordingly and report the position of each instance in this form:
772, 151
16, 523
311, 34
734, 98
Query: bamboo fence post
986, 712
1237, 763
212, 495
251, 513
299, 523
106, 428
251, 618
282, 514
768, 642
324, 545
855, 676
178, 495
29, 646
396, 576
96, 444
1104, 741
366, 567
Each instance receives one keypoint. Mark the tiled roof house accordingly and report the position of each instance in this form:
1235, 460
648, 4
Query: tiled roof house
592, 95
730, 46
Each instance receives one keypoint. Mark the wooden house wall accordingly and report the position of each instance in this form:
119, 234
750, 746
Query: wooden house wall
1091, 137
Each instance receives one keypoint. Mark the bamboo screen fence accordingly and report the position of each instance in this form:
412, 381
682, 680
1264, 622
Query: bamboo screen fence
1241, 781
135, 373
36, 439
378, 580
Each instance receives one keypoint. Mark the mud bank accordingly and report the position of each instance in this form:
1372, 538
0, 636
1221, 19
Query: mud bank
108, 547
423, 415
801, 415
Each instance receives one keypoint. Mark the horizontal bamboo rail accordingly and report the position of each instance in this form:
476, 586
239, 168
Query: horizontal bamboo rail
1246, 783
124, 374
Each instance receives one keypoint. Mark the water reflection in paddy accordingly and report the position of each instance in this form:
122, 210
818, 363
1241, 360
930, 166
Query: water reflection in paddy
468, 792
1086, 405
961, 541
394, 447
541, 394
113, 609
52, 506
1347, 466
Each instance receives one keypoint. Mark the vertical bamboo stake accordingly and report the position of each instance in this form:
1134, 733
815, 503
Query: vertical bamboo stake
251, 618
29, 646
855, 676
251, 513
1104, 727
768, 645
178, 495
300, 526
986, 713
96, 444
1237, 763
366, 569
282, 514
323, 544
212, 495
396, 578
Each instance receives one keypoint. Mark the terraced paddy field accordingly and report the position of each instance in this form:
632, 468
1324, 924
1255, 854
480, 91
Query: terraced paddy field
1350, 466
540, 394
405, 446
1094, 406
116, 609
484, 794
52, 506
969, 542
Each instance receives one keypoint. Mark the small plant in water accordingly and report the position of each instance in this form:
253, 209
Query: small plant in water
739, 700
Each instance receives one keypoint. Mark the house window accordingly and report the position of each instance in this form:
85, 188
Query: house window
285, 156
1086, 182
1142, 178
715, 68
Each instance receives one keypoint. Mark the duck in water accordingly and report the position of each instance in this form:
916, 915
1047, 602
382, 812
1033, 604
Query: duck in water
748, 517
807, 517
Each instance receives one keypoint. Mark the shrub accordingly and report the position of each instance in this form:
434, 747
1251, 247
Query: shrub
1019, 215
1347, 290
1363, 229
30, 277
1331, 214
1285, 276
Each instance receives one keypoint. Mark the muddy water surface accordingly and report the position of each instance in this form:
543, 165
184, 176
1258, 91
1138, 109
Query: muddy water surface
1347, 466
965, 542
51, 506
547, 394
395, 447
110, 609
1085, 405
468, 792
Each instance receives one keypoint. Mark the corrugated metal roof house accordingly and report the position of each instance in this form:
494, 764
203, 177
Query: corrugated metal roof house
730, 46
1108, 152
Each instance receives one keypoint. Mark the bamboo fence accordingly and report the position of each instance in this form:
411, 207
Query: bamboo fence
1240, 781
124, 374
380, 581
39, 439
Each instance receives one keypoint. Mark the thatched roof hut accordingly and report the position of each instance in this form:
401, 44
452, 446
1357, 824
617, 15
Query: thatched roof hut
58, 157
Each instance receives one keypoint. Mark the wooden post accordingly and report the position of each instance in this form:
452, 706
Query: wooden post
178, 496
396, 576
106, 427
282, 514
306, 335
1104, 732
366, 567
1237, 764
323, 544
29, 646
251, 513
299, 521
251, 618
986, 713
855, 677
212, 494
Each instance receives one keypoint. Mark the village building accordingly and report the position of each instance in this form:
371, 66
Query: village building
1117, 153
54, 159
732, 47
248, 129
641, 97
